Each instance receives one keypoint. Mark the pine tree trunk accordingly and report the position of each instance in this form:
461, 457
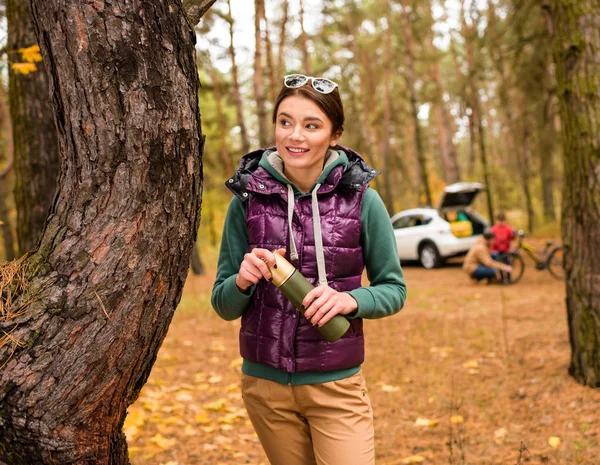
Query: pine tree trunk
304, 43
237, 95
410, 81
218, 97
8, 239
270, 71
101, 289
282, 34
34, 134
384, 145
258, 78
547, 141
576, 45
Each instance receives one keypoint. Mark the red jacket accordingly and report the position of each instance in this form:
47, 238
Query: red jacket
504, 234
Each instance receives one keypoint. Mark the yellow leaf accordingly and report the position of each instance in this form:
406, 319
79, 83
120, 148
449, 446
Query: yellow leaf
184, 397
172, 421
500, 435
233, 387
200, 376
456, 419
218, 405
473, 371
413, 459
189, 430
135, 418
162, 442
202, 418
131, 432
471, 364
31, 54
554, 441
426, 422
226, 427
431, 400
389, 388
151, 405
133, 450
23, 68
214, 379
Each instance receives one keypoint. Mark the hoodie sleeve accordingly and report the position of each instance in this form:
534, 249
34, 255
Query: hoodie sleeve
227, 300
386, 293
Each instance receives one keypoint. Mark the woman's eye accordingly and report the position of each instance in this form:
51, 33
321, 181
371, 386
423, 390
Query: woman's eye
312, 126
284, 122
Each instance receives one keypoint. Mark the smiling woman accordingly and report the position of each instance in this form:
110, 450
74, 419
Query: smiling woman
308, 198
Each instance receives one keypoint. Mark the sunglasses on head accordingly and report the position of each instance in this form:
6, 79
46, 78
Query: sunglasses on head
322, 85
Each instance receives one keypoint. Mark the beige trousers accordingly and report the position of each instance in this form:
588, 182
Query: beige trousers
323, 424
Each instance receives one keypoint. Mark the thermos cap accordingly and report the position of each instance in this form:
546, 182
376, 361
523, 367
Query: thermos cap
283, 271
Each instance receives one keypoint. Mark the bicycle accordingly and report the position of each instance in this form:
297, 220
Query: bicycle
551, 259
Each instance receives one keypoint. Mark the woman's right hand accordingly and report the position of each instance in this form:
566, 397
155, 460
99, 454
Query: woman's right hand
253, 268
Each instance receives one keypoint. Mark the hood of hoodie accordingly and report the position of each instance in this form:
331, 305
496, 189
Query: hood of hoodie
356, 173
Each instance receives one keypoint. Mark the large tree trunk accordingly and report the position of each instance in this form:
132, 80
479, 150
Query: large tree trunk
282, 34
34, 134
237, 95
102, 287
576, 45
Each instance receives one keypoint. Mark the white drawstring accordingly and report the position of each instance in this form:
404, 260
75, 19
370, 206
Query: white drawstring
318, 237
293, 251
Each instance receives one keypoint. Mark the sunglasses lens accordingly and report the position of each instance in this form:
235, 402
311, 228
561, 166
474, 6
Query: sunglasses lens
295, 80
324, 86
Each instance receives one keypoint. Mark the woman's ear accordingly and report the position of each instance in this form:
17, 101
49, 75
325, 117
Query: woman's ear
335, 138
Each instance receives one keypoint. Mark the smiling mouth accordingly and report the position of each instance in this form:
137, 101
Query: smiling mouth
296, 150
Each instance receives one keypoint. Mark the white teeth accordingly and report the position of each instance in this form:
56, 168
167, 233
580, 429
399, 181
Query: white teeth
297, 150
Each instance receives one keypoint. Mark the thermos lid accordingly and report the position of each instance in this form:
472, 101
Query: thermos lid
283, 271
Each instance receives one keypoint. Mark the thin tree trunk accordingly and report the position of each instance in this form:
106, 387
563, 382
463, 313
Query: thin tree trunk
547, 142
196, 262
270, 71
576, 45
470, 33
8, 239
34, 134
258, 79
304, 42
237, 95
282, 35
384, 155
102, 287
525, 170
451, 171
222, 125
409, 75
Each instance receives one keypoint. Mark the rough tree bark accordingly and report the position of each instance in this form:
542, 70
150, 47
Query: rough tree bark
101, 289
576, 44
34, 134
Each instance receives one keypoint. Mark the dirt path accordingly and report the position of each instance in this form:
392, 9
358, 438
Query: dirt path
484, 368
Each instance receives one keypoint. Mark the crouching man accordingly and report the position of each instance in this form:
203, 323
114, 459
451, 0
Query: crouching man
479, 263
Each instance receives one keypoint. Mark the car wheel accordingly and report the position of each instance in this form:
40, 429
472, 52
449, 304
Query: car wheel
429, 256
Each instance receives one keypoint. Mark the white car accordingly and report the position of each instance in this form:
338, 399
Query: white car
431, 235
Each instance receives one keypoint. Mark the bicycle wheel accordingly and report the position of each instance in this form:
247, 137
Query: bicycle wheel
555, 264
518, 267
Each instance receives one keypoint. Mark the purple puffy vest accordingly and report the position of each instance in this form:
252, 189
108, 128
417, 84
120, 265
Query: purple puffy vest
273, 332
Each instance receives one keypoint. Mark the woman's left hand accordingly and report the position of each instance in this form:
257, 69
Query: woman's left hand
326, 303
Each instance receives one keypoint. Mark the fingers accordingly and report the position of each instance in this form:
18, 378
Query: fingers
254, 267
323, 304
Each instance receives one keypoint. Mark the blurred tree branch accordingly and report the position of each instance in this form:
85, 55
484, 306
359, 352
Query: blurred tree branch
195, 9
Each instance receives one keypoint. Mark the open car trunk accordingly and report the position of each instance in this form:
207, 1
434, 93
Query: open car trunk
453, 207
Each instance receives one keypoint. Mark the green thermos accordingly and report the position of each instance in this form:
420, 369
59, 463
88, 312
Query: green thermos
295, 287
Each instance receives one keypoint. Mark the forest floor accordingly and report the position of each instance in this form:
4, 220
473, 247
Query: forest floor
465, 374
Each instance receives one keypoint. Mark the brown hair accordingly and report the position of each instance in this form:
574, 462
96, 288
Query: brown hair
501, 216
330, 104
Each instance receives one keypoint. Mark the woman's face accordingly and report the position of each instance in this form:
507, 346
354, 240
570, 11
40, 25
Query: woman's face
303, 135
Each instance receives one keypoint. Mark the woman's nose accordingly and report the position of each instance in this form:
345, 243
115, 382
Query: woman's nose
297, 134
